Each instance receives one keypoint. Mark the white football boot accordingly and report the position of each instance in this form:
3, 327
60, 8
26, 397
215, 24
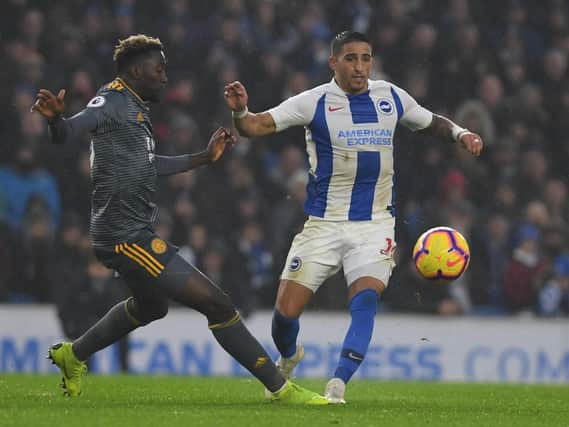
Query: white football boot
287, 365
335, 391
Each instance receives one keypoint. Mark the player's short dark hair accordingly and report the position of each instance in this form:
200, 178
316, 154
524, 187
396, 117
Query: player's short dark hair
346, 37
128, 50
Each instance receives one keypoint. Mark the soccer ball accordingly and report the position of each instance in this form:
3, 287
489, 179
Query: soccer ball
441, 254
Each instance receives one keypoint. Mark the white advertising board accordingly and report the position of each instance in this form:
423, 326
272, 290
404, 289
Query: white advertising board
403, 347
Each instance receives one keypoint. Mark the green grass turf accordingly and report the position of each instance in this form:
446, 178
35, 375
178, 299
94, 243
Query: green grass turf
35, 400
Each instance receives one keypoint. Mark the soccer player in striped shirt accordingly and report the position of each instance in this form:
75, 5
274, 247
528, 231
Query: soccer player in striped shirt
349, 123
124, 171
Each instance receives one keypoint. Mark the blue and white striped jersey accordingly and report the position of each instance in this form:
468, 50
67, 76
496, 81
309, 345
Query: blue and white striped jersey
349, 140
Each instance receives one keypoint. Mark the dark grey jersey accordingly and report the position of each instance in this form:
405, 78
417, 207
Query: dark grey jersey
123, 169
122, 166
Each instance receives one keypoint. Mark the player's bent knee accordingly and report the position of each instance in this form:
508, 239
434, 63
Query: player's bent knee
146, 313
218, 309
158, 310
289, 309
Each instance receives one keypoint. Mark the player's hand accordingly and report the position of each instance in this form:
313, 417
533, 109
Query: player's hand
49, 105
472, 142
219, 141
236, 96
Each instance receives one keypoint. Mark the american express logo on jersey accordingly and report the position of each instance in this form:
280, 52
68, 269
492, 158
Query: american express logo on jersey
370, 136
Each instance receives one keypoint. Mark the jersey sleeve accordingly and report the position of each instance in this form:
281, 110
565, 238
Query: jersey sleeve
103, 113
109, 110
414, 117
295, 111
170, 165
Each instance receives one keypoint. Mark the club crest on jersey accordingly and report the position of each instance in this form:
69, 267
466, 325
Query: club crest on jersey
97, 101
158, 246
385, 106
295, 264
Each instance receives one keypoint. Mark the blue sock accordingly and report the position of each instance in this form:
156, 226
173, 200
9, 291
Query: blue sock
284, 332
362, 308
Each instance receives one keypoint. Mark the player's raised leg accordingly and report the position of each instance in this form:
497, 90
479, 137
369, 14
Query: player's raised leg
364, 300
292, 297
185, 284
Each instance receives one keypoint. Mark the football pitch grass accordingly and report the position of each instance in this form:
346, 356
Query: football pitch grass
36, 400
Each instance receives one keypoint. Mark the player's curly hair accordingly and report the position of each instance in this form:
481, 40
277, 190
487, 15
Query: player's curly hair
130, 49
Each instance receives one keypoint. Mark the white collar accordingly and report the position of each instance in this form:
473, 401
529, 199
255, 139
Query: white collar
338, 90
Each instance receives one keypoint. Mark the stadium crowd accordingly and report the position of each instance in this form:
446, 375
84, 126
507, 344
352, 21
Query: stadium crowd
498, 68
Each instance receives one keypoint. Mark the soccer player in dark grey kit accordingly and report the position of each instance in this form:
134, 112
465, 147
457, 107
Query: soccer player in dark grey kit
124, 169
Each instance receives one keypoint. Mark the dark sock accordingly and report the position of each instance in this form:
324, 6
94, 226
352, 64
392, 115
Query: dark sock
111, 327
362, 308
285, 331
236, 339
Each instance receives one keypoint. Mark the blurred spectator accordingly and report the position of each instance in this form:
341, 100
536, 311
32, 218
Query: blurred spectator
505, 200
422, 44
8, 241
504, 161
288, 217
31, 28
28, 130
556, 199
453, 188
528, 107
491, 94
196, 246
75, 182
490, 255
532, 175
536, 214
34, 262
254, 248
555, 73
228, 269
83, 89
524, 271
271, 79
554, 296
291, 161
184, 136
22, 181
264, 26
555, 240
476, 117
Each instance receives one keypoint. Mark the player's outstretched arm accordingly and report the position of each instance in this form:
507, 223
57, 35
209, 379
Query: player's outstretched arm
447, 130
247, 123
61, 130
219, 141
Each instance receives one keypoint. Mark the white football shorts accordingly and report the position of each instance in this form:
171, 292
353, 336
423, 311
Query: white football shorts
363, 248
